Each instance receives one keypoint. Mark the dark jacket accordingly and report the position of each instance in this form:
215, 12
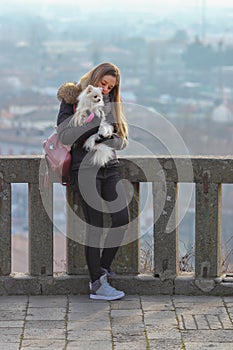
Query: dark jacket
76, 136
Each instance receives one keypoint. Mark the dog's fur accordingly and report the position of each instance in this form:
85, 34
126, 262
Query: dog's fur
91, 99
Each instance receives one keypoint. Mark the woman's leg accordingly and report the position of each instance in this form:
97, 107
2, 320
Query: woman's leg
94, 220
89, 192
113, 193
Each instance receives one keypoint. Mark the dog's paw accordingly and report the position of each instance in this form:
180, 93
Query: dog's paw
89, 143
105, 130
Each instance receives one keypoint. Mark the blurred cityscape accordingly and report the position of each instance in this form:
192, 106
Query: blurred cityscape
174, 62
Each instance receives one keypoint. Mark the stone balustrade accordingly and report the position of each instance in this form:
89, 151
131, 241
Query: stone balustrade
208, 173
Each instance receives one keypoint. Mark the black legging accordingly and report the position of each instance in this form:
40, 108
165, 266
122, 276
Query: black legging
92, 203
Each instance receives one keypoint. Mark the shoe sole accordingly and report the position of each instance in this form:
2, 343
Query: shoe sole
102, 297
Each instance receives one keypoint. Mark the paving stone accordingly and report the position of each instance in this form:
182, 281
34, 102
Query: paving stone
42, 333
10, 346
183, 299
10, 331
128, 330
161, 299
4, 338
11, 315
208, 346
150, 306
46, 314
88, 317
11, 299
13, 307
214, 321
187, 322
226, 322
125, 337
90, 345
218, 335
156, 303
158, 333
124, 322
165, 344
84, 299
81, 334
201, 321
126, 313
37, 344
90, 325
11, 324
133, 345
45, 324
201, 309
11, 335
229, 307
88, 308
167, 318
126, 305
128, 297
228, 299
48, 301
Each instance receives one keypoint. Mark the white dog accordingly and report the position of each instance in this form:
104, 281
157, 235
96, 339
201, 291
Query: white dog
91, 99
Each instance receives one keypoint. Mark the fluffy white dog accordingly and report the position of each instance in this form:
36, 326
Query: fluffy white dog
91, 99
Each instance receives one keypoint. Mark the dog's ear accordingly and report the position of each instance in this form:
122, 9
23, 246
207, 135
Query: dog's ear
101, 89
89, 89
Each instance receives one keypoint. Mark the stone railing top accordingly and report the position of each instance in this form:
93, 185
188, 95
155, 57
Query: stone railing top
178, 168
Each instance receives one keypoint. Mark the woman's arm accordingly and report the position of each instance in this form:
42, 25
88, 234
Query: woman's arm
115, 141
67, 134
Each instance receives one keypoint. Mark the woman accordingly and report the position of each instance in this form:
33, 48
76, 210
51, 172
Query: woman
95, 185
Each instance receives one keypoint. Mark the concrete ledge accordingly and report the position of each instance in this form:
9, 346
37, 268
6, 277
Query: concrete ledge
78, 284
131, 284
193, 286
19, 285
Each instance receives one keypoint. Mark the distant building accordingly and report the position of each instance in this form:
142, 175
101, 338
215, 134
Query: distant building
222, 113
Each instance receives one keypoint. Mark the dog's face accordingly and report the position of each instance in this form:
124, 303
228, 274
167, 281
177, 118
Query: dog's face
95, 94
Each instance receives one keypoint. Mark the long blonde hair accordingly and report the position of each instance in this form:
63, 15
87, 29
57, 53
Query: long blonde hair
93, 77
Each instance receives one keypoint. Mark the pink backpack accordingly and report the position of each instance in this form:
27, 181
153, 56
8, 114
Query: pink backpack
58, 159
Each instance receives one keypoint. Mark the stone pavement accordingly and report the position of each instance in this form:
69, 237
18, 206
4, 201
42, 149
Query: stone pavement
75, 322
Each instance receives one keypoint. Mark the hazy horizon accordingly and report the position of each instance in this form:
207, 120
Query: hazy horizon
132, 5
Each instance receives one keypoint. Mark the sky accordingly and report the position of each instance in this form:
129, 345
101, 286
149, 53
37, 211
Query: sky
134, 3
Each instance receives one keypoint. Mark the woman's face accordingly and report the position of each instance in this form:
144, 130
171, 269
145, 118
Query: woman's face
107, 83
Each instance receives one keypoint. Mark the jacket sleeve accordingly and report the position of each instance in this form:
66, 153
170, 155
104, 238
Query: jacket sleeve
69, 134
115, 141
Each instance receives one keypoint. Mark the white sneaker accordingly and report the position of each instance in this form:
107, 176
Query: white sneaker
102, 290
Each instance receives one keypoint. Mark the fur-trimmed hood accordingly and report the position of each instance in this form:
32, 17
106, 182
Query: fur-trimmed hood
69, 92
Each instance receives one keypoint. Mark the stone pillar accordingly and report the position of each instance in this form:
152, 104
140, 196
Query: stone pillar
127, 259
5, 227
165, 230
40, 230
75, 232
208, 229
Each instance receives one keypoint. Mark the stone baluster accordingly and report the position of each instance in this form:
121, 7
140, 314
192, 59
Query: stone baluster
75, 232
165, 230
40, 217
5, 227
208, 229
